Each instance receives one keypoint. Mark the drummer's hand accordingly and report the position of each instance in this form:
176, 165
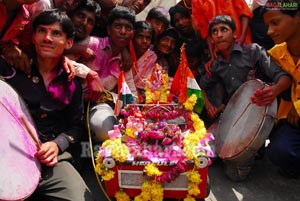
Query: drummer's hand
293, 118
212, 111
264, 96
48, 153
68, 67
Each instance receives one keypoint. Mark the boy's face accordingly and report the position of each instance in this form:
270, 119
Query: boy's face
166, 45
142, 41
50, 41
158, 26
223, 37
120, 32
84, 22
281, 27
183, 24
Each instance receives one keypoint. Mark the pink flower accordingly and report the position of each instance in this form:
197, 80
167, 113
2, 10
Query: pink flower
166, 141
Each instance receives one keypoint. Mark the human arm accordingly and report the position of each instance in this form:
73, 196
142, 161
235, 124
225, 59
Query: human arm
212, 111
67, 121
268, 93
63, 126
94, 83
47, 154
16, 46
213, 55
82, 49
95, 86
267, 67
213, 94
244, 27
127, 60
16, 58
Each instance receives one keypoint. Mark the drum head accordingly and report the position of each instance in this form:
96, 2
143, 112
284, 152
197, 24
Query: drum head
19, 169
241, 122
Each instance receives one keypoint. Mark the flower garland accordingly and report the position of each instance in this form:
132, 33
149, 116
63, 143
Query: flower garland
115, 149
152, 189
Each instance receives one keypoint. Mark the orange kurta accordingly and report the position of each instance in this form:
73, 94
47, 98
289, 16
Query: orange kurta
204, 10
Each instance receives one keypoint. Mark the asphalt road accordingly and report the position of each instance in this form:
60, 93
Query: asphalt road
263, 184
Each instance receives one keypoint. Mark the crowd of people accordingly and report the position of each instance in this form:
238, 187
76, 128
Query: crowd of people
66, 50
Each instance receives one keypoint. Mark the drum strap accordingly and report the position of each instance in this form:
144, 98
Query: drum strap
251, 73
9, 76
255, 72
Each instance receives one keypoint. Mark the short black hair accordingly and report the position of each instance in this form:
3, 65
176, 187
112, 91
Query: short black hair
221, 19
170, 31
52, 16
143, 25
88, 5
160, 13
178, 9
121, 12
288, 7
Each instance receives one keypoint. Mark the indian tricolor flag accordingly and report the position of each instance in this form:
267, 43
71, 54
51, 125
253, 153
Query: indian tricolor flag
184, 83
124, 94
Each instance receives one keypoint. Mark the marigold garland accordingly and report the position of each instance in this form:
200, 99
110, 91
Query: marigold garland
152, 170
105, 172
152, 189
119, 151
122, 196
190, 102
193, 186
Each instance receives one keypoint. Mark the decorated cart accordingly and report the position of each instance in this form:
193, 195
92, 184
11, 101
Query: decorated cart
158, 150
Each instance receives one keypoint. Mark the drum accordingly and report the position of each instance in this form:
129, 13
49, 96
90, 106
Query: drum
244, 127
19, 169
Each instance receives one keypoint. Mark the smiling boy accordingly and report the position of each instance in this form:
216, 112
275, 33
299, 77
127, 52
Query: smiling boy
284, 28
55, 105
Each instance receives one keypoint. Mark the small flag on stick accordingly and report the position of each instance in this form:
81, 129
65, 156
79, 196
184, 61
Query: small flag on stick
184, 83
124, 94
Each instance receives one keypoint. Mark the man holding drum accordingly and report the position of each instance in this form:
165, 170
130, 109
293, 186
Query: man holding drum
235, 64
283, 20
55, 105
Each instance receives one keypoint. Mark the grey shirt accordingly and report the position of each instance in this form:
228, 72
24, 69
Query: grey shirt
244, 62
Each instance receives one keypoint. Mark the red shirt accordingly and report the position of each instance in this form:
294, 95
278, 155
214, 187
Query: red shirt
19, 32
